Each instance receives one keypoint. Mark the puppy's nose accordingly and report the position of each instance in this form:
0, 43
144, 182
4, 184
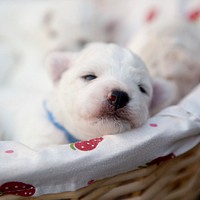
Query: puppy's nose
118, 99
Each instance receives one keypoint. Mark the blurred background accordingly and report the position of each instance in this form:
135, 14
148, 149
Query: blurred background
30, 29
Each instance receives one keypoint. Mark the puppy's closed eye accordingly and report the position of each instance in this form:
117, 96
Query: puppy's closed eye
89, 77
142, 89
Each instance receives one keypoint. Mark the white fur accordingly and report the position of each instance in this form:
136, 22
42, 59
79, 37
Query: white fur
80, 105
116, 68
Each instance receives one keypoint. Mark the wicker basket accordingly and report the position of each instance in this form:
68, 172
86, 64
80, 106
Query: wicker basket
175, 179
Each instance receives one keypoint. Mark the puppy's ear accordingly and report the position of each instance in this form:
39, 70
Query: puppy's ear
164, 94
57, 63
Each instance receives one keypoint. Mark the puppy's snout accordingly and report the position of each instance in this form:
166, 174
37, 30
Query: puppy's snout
118, 99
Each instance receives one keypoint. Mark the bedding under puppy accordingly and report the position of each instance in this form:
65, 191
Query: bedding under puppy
171, 51
104, 89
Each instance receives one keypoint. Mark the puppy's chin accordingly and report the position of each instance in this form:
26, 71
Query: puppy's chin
110, 124
107, 126
107, 120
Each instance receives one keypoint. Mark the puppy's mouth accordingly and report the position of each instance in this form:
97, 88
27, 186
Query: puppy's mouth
122, 115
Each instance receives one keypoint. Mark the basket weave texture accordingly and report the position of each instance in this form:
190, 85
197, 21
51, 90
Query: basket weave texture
175, 179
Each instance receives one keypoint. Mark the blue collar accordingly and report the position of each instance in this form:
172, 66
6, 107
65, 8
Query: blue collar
52, 119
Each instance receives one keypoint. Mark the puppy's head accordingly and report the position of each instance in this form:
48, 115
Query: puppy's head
105, 89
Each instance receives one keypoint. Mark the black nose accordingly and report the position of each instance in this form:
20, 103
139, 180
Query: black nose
118, 99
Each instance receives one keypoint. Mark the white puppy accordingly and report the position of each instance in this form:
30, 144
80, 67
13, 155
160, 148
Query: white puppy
171, 51
104, 89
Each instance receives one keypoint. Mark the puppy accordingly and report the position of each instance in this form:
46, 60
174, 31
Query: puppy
104, 89
171, 51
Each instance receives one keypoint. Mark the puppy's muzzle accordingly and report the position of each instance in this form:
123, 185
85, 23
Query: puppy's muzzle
118, 99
